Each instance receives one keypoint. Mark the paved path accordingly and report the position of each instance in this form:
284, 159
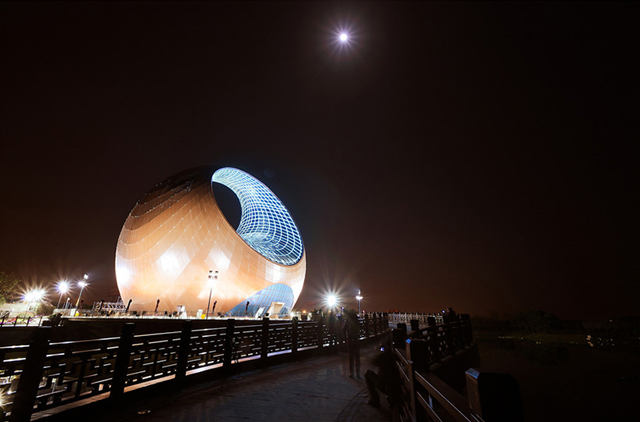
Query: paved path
315, 389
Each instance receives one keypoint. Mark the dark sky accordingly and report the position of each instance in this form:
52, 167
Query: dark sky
482, 156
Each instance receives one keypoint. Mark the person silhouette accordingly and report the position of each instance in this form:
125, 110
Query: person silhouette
352, 331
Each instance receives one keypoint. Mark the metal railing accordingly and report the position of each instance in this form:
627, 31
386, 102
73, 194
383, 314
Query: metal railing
425, 397
21, 320
42, 374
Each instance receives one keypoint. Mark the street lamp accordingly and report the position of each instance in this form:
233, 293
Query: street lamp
213, 277
82, 285
33, 296
63, 286
359, 298
332, 300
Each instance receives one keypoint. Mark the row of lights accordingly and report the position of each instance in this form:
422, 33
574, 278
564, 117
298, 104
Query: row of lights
36, 295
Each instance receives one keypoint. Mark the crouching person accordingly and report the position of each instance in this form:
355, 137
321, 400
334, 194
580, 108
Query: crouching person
386, 381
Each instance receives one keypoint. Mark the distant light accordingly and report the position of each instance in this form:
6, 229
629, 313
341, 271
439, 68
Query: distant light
344, 37
63, 286
332, 300
34, 295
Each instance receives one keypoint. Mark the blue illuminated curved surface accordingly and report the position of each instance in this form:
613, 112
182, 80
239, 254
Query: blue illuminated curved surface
265, 224
261, 301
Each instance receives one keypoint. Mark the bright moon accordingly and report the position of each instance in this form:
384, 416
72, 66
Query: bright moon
344, 37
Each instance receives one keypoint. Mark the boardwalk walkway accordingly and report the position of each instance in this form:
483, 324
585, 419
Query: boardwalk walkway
315, 389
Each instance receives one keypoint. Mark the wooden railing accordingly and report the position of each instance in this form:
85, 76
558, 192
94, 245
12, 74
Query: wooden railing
425, 397
43, 374
406, 317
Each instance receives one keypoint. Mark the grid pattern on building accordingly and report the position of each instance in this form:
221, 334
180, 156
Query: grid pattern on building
265, 223
260, 302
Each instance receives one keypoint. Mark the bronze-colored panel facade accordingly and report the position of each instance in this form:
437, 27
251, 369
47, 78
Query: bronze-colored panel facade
176, 234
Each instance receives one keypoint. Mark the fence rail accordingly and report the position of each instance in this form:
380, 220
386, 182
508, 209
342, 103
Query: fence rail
425, 397
414, 357
43, 374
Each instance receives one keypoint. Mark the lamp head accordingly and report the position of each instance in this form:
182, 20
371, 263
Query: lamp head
63, 286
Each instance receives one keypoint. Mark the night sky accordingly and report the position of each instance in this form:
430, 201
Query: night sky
482, 156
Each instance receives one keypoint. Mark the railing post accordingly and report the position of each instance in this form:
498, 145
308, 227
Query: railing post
453, 336
294, 336
398, 337
418, 357
183, 351
431, 321
431, 334
229, 344
320, 334
366, 326
264, 344
415, 327
418, 353
443, 338
122, 360
467, 331
31, 375
494, 397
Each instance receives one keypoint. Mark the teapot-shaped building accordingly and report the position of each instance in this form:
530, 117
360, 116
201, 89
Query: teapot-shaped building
176, 237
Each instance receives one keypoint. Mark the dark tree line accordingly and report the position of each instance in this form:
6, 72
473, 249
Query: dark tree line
533, 322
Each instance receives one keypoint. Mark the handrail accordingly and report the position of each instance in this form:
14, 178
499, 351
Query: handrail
416, 356
452, 401
72, 370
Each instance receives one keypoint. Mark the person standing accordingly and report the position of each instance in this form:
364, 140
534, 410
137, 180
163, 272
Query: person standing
352, 329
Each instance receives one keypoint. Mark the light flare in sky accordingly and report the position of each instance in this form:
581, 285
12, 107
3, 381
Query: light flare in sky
344, 37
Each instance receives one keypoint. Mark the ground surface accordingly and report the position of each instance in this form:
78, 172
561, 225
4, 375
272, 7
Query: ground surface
315, 389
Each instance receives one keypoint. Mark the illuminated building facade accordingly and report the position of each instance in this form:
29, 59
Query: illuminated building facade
177, 233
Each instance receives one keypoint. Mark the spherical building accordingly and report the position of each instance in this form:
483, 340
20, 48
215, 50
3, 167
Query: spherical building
178, 247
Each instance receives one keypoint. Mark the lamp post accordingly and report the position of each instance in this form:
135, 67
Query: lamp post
63, 286
82, 285
359, 298
212, 278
